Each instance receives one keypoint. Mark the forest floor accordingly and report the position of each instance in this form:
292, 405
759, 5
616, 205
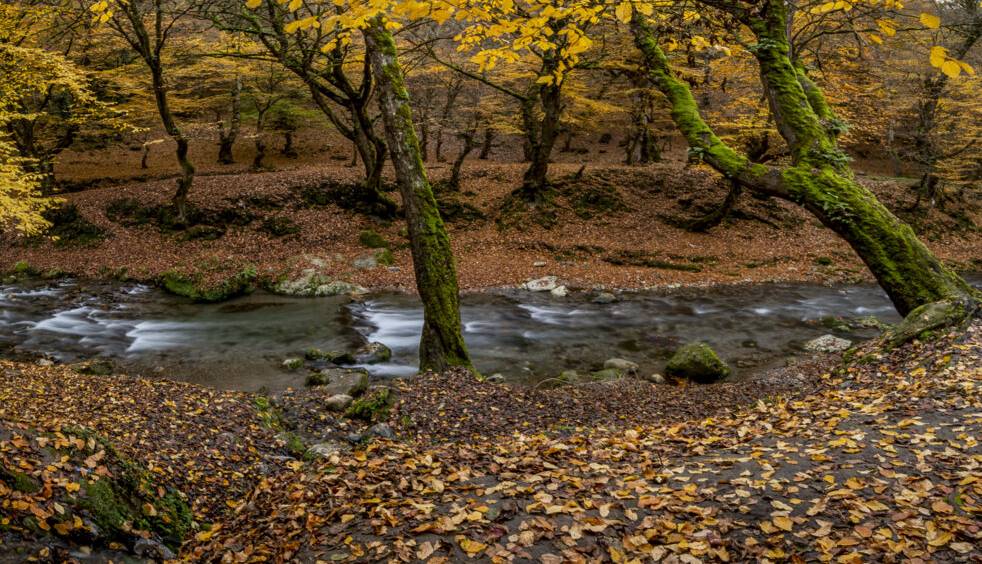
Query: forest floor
615, 226
872, 457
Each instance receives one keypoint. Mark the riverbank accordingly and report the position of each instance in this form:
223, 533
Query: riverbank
873, 458
612, 227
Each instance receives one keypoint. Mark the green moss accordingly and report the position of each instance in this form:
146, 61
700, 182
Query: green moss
22, 267
384, 257
269, 415
823, 261
279, 226
372, 240
19, 481
374, 406
697, 362
316, 379
191, 287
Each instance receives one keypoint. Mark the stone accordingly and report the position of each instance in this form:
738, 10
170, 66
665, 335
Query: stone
365, 262
45, 362
348, 381
828, 344
697, 362
152, 550
544, 284
293, 363
495, 379
338, 402
539, 263
655, 378
339, 288
559, 291
373, 353
102, 367
325, 450
625, 366
382, 430
569, 377
604, 298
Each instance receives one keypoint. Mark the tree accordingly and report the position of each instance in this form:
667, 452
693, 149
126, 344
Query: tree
52, 97
129, 19
818, 176
330, 69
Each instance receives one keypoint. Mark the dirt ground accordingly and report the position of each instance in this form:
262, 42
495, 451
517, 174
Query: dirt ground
613, 226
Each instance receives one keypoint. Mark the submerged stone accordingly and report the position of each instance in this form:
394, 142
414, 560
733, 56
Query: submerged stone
697, 362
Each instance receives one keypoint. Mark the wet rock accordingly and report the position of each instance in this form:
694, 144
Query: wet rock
625, 366
293, 363
559, 291
828, 344
373, 353
382, 430
338, 402
697, 362
151, 549
312, 283
325, 450
604, 298
544, 284
495, 379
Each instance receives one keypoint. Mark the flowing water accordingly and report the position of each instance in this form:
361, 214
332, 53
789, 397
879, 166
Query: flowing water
526, 336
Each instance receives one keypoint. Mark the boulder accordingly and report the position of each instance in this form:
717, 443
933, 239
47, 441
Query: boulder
697, 362
382, 430
625, 366
338, 402
654, 378
828, 344
373, 353
348, 381
544, 284
604, 298
495, 379
325, 450
559, 291
313, 284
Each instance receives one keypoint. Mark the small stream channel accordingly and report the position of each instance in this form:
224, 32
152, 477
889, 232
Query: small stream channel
526, 336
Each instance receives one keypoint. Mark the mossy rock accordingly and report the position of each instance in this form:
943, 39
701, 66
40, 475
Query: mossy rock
128, 498
373, 406
697, 362
279, 226
19, 481
191, 287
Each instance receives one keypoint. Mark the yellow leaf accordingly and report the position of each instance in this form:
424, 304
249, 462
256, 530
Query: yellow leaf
967, 68
875, 39
623, 11
951, 68
783, 523
938, 55
295, 5
472, 547
930, 21
253, 4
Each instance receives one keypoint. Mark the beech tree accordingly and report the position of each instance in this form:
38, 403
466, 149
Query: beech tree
147, 26
818, 177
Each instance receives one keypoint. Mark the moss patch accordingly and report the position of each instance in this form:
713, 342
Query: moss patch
697, 362
191, 286
374, 406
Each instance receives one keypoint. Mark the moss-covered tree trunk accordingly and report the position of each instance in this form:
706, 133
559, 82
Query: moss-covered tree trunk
818, 178
227, 136
442, 343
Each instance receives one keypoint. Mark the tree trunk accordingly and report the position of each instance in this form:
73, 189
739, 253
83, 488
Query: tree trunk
541, 138
469, 144
226, 138
257, 160
442, 344
184, 183
818, 178
288, 150
487, 145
